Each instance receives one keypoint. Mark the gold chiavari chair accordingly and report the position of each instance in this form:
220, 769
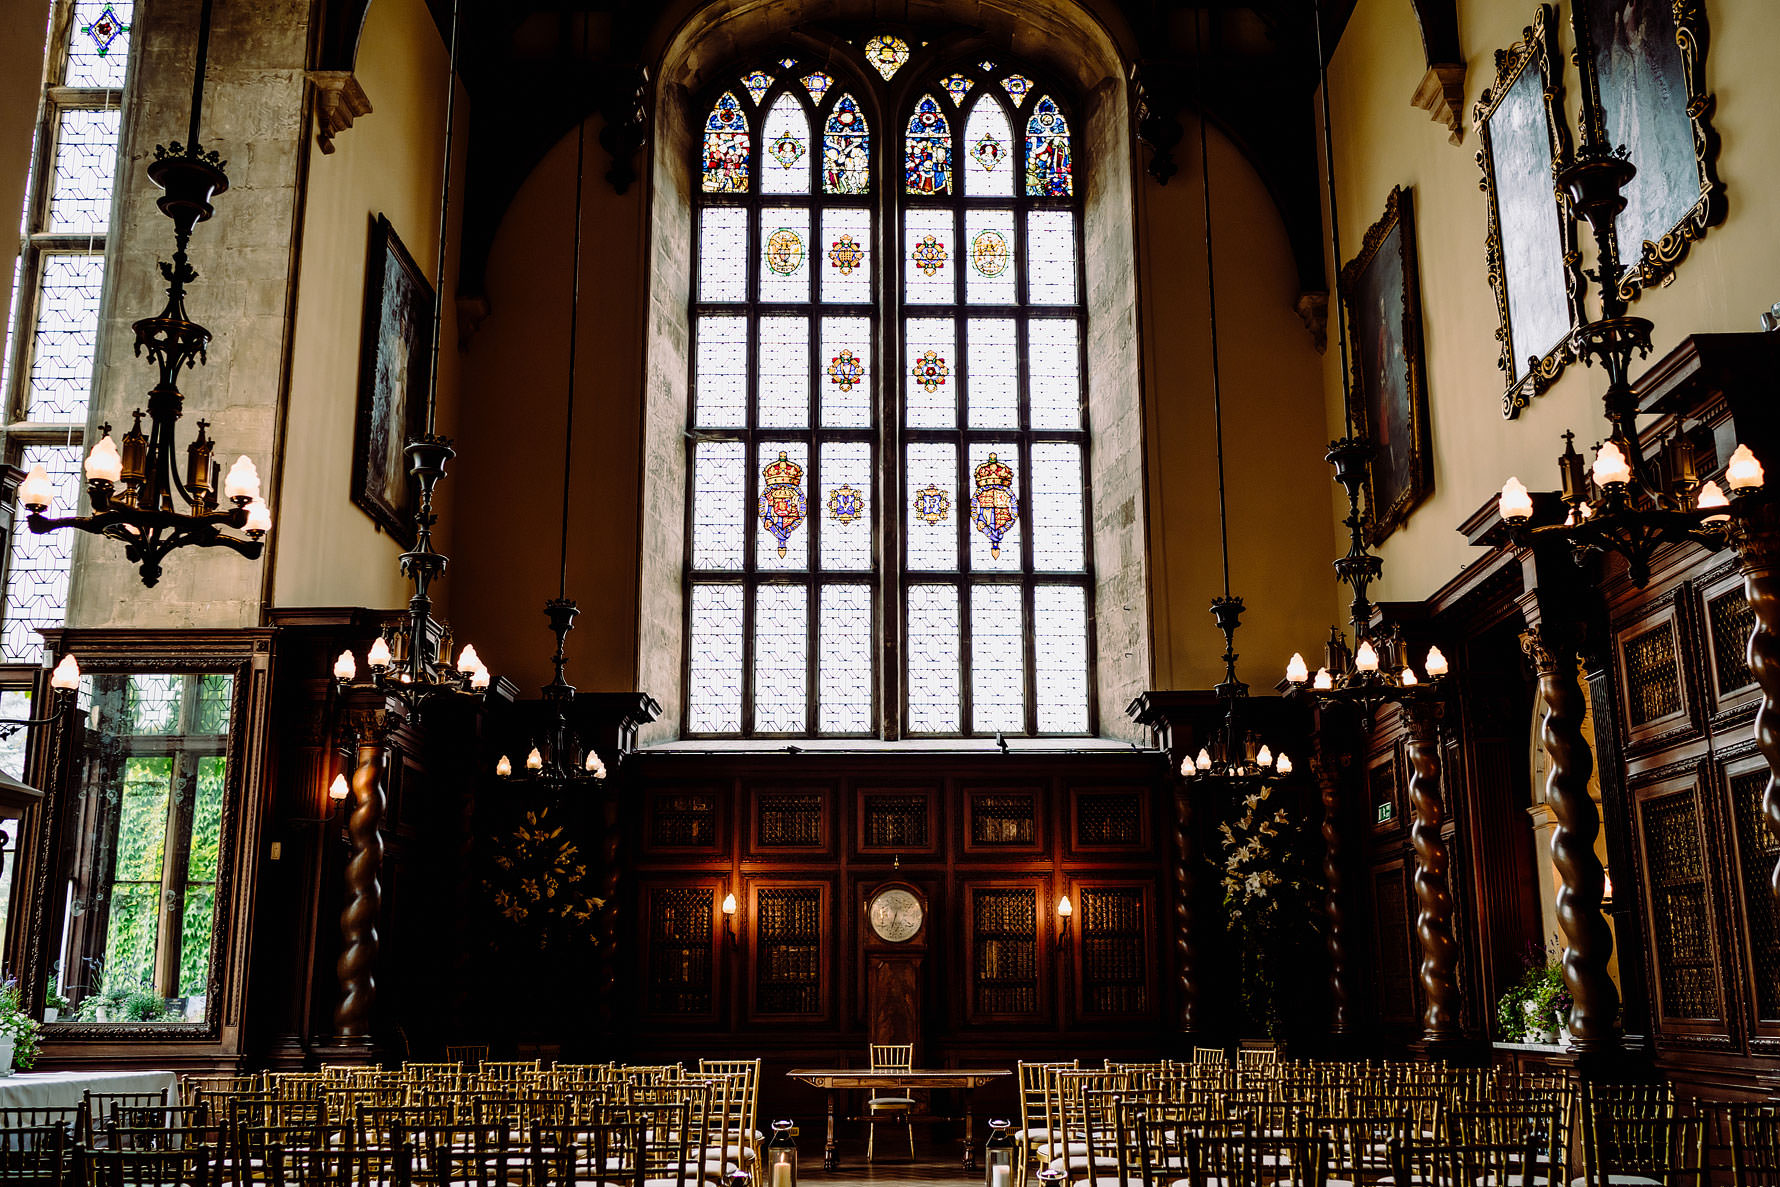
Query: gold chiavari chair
603, 1152
1500, 1122
191, 1087
1034, 1128
1257, 1056
1359, 1147
338, 1166
689, 1102
95, 1107
188, 1166
1632, 1130
889, 1106
1209, 1057
469, 1055
724, 1152
510, 1071
1423, 1110
1077, 1093
1755, 1145
470, 1156
1428, 1163
747, 1107
1225, 1161
665, 1129
36, 1156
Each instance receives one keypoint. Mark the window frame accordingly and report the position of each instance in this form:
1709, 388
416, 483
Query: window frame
887, 105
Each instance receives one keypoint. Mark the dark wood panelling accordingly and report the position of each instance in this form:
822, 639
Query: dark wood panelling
898, 821
1003, 820
1109, 820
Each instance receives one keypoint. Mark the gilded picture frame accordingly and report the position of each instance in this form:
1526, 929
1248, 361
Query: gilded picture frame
394, 372
1642, 65
1381, 298
1535, 267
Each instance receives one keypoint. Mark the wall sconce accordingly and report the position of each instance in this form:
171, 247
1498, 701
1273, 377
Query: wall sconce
1606, 888
729, 910
1065, 912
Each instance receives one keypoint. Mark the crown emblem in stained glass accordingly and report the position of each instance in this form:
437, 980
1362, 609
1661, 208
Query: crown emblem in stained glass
845, 504
846, 255
105, 30
956, 86
930, 370
932, 505
784, 251
757, 82
781, 499
988, 152
994, 508
846, 369
787, 148
930, 255
887, 53
1016, 86
989, 253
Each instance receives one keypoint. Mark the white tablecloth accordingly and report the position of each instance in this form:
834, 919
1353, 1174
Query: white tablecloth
51, 1090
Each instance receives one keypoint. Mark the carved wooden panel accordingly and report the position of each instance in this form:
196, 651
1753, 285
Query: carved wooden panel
790, 820
1756, 855
1109, 819
898, 820
789, 939
679, 949
1114, 978
1679, 904
684, 821
1392, 962
1004, 945
1003, 820
1651, 665
1728, 623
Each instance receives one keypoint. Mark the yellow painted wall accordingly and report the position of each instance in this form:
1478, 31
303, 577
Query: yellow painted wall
329, 553
1381, 141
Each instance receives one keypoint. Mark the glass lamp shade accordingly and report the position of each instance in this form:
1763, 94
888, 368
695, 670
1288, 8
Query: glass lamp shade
998, 1156
781, 1157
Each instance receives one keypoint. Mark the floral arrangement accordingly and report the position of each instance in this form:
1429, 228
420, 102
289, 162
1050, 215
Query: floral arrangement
1268, 899
1529, 1010
541, 882
23, 1028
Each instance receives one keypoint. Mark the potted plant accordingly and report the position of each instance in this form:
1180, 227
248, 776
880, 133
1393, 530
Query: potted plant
1535, 1008
54, 1002
18, 1031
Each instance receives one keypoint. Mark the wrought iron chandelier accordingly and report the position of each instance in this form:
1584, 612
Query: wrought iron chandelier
559, 759
132, 489
1235, 757
1377, 671
1619, 505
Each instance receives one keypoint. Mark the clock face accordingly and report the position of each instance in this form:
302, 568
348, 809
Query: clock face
895, 916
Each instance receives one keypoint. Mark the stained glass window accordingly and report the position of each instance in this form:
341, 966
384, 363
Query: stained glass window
726, 147
972, 349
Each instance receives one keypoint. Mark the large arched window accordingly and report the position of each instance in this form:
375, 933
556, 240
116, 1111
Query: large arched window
888, 519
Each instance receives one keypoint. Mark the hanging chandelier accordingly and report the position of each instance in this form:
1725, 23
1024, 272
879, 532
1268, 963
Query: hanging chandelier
1619, 506
558, 759
132, 489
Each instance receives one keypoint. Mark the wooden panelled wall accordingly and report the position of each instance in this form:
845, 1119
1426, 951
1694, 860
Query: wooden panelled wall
992, 841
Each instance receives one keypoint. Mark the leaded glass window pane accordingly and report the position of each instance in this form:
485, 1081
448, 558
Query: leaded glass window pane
86, 156
99, 44
927, 162
37, 575
719, 484
785, 148
988, 151
928, 263
785, 372
782, 539
1050, 242
1049, 169
1058, 545
781, 658
990, 278
996, 513
714, 667
992, 372
846, 372
846, 149
62, 341
845, 506
1056, 360
1060, 651
927, 374
723, 254
785, 254
726, 148
722, 372
847, 256
933, 647
997, 659
932, 530
844, 665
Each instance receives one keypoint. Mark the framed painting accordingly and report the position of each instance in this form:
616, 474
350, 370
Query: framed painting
1534, 265
395, 352
1643, 69
1382, 300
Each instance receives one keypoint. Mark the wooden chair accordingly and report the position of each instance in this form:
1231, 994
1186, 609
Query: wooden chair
469, 1056
1209, 1057
890, 1057
1428, 1163
1034, 1129
747, 1106
35, 1155
1509, 1122
1755, 1145
1359, 1146
578, 1155
338, 1166
1630, 1134
190, 1166
1224, 1161
95, 1106
1085, 1142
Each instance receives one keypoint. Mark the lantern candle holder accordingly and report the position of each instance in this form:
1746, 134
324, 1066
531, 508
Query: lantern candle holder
998, 1156
781, 1157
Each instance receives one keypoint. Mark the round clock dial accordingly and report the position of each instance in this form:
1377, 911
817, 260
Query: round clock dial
895, 915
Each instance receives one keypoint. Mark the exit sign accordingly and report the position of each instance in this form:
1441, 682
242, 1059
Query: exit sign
1387, 812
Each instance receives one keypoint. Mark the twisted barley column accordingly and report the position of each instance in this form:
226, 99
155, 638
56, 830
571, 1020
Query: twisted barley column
356, 968
1186, 887
1327, 771
1441, 1021
1756, 535
1594, 1013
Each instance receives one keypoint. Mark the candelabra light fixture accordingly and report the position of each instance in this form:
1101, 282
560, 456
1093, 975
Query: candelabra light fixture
132, 489
64, 682
1620, 505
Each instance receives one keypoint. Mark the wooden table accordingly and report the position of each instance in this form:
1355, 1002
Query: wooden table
838, 1080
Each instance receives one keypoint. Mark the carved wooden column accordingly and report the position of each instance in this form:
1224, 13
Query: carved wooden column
1588, 943
1755, 532
1326, 768
357, 966
1442, 1022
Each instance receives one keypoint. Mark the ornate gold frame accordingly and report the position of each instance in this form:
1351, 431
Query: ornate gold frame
1399, 212
1656, 262
1538, 48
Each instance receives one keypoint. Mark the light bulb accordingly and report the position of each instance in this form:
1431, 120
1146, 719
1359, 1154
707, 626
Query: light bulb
729, 904
259, 516
1744, 471
504, 767
1284, 764
1203, 762
66, 677
1323, 682
1711, 498
345, 668
468, 660
1064, 909
105, 463
534, 761
36, 492
1296, 670
1409, 680
1366, 659
379, 653
1515, 503
1265, 756
595, 767
1436, 662
1611, 468
338, 790
242, 480
479, 678
1186, 767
